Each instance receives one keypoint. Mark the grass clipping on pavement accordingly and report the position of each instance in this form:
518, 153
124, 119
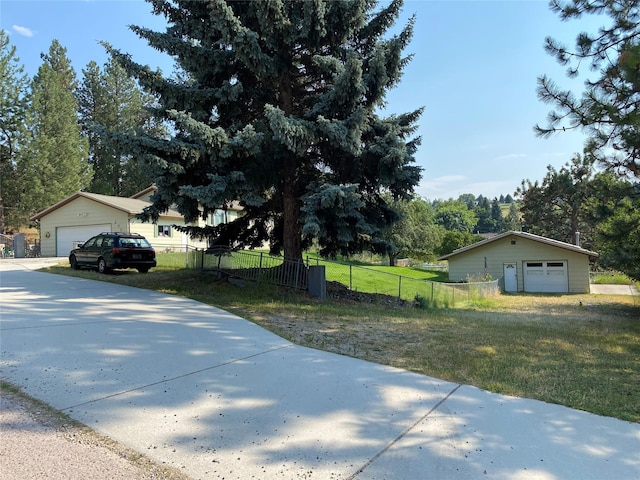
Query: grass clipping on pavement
581, 351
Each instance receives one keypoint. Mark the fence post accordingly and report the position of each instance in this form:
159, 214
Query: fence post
350, 277
260, 269
201, 259
399, 287
432, 287
297, 280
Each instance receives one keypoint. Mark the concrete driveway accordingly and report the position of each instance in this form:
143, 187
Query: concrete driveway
219, 397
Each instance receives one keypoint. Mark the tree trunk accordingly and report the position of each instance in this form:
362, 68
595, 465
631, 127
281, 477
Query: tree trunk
291, 241
392, 260
2, 225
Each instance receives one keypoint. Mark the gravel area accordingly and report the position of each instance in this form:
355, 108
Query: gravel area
37, 442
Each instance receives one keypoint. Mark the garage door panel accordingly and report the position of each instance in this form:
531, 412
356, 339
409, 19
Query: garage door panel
546, 276
67, 237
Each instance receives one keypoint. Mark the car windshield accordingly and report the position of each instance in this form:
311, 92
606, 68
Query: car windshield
134, 243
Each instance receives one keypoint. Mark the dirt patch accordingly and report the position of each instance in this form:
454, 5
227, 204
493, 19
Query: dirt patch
39, 442
338, 292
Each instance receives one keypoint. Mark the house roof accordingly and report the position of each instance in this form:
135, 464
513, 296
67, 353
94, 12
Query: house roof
146, 191
233, 206
131, 206
528, 236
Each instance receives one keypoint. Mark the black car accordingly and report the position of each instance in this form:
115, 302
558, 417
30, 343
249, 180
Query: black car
114, 250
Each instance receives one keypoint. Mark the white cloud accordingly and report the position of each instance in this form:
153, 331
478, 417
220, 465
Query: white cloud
448, 179
511, 156
440, 187
24, 31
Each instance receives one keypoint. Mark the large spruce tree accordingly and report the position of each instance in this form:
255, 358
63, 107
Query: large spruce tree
277, 107
558, 206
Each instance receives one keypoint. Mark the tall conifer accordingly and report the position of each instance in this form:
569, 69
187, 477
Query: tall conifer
54, 165
14, 100
110, 100
278, 109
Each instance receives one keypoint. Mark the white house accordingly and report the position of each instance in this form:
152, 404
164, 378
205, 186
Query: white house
83, 215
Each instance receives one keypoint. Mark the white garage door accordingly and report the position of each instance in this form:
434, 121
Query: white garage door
68, 237
546, 276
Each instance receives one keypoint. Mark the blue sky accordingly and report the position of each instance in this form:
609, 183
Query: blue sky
474, 70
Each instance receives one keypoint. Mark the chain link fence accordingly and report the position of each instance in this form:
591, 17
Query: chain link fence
425, 292
172, 256
262, 267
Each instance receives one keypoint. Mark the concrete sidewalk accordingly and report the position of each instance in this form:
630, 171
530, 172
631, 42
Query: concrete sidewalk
219, 397
603, 289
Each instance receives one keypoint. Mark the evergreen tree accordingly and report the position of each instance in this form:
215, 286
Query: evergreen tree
496, 216
608, 109
483, 214
14, 100
278, 110
111, 101
512, 220
557, 208
55, 162
614, 210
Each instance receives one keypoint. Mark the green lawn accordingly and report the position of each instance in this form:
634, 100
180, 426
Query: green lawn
582, 351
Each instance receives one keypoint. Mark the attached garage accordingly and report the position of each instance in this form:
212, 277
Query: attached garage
525, 263
82, 215
68, 238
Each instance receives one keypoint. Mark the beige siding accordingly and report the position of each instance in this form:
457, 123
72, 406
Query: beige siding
176, 239
471, 263
78, 213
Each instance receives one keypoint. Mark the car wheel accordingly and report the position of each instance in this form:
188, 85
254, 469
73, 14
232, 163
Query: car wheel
74, 262
102, 266
143, 269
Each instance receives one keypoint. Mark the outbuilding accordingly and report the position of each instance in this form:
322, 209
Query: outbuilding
525, 263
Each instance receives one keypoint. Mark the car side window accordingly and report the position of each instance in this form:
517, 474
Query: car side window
90, 243
107, 242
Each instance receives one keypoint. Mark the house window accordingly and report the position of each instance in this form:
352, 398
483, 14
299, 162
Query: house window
164, 230
219, 217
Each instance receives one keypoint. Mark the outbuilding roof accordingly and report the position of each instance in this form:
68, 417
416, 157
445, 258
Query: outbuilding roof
131, 206
526, 235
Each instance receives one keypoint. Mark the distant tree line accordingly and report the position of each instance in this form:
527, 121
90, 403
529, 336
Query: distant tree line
431, 228
55, 132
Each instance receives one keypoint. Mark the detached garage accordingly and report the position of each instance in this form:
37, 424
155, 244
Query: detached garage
525, 262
